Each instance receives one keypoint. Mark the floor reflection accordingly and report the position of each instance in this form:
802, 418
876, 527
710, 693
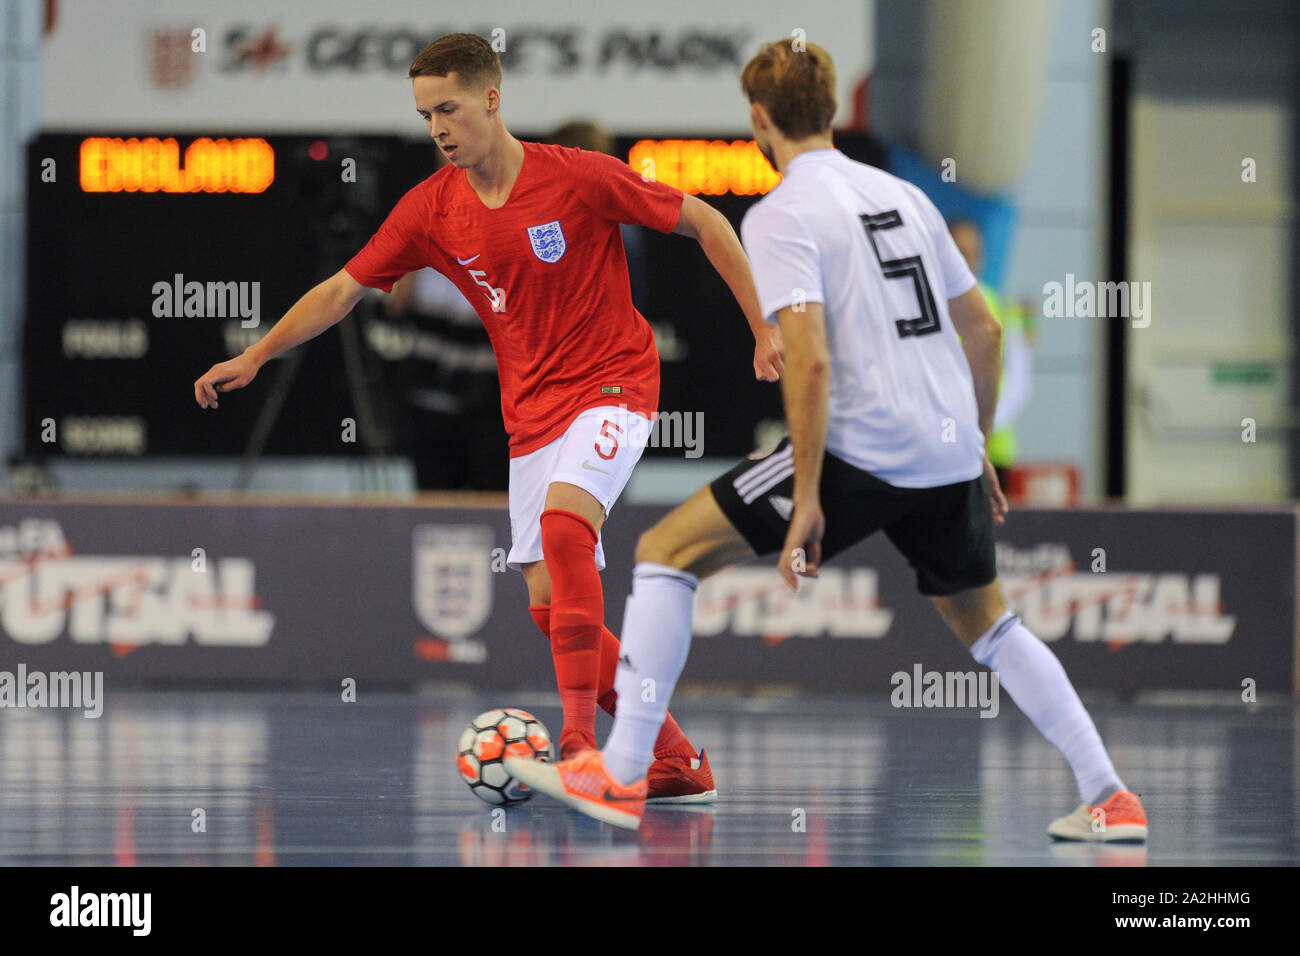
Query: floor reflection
257, 779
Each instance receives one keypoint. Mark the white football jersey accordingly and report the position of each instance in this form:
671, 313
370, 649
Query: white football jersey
877, 254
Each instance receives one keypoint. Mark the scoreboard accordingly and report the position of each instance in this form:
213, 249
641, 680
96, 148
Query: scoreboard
153, 256
123, 230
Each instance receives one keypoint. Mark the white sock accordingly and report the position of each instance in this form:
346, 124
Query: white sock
652, 653
1037, 683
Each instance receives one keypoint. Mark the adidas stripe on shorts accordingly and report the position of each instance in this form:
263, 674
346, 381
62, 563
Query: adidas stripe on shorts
946, 533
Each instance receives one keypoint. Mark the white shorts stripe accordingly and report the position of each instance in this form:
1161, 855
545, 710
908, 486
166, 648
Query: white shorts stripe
771, 482
761, 471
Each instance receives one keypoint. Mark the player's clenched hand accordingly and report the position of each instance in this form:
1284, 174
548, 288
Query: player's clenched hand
802, 554
997, 500
768, 365
223, 377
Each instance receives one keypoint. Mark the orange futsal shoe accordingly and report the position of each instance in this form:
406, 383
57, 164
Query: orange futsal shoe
1121, 819
681, 780
584, 784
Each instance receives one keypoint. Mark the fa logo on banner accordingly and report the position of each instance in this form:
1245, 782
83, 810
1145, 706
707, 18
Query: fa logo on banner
452, 579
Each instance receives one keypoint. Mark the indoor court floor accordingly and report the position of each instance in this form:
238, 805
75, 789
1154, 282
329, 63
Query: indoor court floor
302, 778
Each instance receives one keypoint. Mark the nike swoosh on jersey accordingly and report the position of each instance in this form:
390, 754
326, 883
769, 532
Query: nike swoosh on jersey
466, 262
591, 468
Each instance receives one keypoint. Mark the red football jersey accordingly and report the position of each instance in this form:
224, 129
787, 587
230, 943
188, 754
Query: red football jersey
548, 276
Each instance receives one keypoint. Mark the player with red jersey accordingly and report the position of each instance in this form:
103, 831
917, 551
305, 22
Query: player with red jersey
530, 234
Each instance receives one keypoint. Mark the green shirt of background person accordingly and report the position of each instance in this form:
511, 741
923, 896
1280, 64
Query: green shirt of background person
1017, 333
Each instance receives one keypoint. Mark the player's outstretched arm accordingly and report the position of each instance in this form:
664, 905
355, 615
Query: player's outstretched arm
807, 389
323, 306
720, 243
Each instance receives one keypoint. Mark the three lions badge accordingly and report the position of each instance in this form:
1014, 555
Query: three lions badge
547, 240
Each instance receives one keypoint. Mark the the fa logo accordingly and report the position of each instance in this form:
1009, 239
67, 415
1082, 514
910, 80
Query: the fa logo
547, 240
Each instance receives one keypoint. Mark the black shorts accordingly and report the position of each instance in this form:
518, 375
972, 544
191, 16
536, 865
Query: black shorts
946, 533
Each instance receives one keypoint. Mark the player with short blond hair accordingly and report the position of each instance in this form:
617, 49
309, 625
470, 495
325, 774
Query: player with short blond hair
888, 410
530, 235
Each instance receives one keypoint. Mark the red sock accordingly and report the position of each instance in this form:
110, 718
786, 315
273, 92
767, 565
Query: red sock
671, 742
577, 614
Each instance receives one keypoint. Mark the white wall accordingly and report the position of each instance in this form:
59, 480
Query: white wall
1061, 202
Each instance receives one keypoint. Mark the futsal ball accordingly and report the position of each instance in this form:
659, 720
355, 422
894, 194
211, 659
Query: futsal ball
487, 741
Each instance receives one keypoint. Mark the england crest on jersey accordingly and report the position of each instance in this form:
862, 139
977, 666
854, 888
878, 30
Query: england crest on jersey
548, 241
